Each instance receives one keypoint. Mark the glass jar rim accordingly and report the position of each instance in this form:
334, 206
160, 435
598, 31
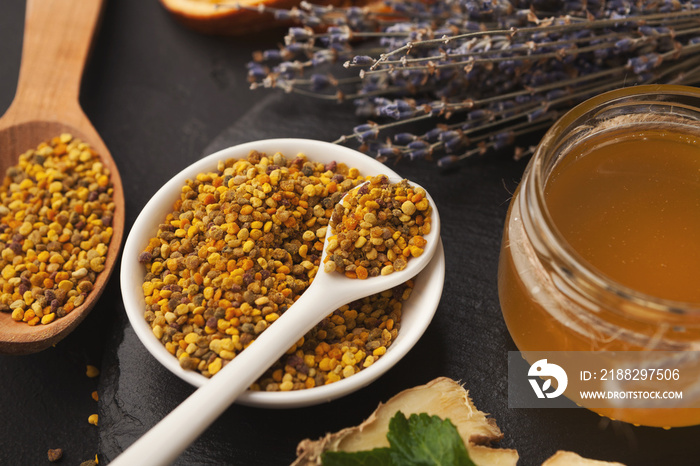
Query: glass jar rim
576, 268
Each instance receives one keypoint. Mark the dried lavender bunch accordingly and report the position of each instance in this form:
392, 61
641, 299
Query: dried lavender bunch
476, 74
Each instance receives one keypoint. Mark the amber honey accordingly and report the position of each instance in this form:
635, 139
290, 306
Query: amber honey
637, 218
601, 250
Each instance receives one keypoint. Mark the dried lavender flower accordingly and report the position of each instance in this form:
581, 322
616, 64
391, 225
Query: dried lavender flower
476, 74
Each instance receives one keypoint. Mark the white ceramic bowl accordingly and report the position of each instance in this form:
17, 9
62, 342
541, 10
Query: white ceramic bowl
418, 310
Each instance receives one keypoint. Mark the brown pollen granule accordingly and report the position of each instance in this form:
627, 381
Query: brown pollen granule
54, 454
56, 210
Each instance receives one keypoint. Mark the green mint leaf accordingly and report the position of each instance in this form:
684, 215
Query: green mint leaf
375, 457
426, 440
420, 440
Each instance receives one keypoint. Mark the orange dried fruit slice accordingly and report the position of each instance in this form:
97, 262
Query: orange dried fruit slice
224, 17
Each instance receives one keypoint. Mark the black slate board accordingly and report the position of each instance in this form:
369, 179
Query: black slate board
467, 340
162, 96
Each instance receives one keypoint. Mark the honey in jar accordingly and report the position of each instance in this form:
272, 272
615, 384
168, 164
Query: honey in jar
637, 218
601, 249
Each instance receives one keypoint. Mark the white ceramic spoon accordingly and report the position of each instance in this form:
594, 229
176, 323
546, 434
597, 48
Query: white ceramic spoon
171, 436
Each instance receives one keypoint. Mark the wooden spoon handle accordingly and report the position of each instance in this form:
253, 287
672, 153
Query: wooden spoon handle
57, 39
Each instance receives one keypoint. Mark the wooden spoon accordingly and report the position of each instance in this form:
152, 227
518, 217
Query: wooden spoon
57, 38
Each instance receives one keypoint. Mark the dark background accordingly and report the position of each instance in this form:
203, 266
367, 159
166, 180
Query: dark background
162, 96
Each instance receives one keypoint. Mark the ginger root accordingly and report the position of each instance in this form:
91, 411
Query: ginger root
442, 397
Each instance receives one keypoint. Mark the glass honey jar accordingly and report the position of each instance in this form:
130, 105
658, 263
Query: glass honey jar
601, 247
